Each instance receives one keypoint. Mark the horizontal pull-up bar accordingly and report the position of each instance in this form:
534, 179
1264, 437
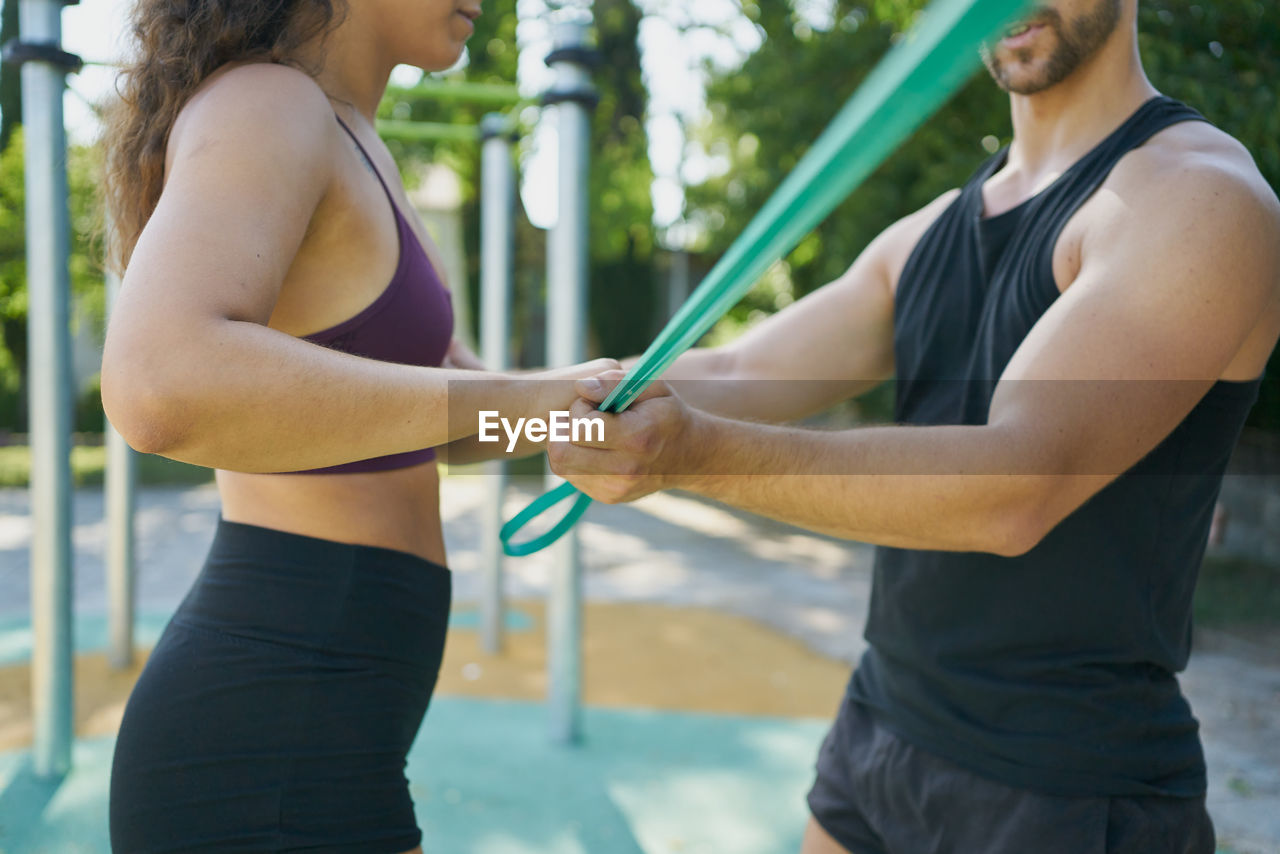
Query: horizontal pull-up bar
490, 94
427, 131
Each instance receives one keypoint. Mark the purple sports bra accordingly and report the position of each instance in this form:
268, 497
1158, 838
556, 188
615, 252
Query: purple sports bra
411, 323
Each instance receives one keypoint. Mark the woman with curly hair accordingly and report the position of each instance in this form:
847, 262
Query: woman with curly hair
283, 320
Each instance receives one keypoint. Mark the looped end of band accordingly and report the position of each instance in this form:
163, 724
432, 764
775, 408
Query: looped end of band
535, 509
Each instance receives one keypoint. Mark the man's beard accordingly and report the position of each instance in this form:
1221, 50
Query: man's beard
1085, 36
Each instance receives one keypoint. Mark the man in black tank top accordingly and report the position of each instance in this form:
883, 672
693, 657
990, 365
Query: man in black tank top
1077, 336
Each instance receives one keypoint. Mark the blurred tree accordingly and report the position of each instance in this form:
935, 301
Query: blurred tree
761, 124
622, 280
623, 289
13, 285
1221, 58
10, 79
85, 269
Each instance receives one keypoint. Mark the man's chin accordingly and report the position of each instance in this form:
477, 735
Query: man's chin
1018, 78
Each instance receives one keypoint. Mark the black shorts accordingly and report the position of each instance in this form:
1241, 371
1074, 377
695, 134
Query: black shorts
877, 794
276, 710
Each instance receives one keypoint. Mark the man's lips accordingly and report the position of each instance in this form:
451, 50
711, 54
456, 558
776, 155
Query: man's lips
1021, 35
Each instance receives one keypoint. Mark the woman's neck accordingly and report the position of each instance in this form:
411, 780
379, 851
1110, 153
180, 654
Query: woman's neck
353, 68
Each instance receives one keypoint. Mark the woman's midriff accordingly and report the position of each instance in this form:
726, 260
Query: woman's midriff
397, 509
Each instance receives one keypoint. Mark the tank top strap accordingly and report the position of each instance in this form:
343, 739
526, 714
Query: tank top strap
365, 152
1153, 116
1050, 211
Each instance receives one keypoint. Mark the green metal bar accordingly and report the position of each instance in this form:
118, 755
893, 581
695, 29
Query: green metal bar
427, 131
487, 94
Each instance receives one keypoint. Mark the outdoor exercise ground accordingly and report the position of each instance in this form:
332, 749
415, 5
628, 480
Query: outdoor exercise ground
716, 647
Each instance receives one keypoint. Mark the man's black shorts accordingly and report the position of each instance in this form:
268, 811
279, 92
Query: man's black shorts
877, 794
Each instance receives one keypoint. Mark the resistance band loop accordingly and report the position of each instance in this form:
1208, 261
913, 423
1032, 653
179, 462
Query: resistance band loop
913, 80
539, 506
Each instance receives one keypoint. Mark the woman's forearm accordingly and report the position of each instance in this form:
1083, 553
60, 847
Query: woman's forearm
240, 396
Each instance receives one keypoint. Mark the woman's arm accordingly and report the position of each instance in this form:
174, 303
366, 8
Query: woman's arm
190, 368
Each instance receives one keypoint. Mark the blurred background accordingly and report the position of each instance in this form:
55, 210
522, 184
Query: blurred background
705, 107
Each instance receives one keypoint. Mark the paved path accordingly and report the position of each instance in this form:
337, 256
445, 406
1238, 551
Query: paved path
676, 550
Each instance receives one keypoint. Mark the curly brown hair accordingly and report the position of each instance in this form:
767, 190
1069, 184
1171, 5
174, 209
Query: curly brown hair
177, 45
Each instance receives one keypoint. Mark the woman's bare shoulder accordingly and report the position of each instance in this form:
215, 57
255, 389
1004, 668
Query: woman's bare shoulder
255, 105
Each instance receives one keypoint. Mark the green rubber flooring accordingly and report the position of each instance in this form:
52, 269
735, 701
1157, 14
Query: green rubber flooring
486, 778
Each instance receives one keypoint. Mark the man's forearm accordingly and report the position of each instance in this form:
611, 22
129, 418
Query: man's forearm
716, 380
894, 486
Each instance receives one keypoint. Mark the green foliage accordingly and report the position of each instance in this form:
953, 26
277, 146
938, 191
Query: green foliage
10, 78
85, 270
623, 294
88, 416
1221, 58
13, 280
88, 468
765, 115
1235, 591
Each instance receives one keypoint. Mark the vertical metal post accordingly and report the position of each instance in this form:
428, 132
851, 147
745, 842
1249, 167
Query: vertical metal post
49, 384
121, 484
574, 98
497, 269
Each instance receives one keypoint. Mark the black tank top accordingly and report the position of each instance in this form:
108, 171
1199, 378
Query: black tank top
1052, 670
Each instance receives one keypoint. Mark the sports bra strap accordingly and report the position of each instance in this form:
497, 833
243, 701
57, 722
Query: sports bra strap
369, 160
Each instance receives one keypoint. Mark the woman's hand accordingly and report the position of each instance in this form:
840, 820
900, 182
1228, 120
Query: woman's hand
535, 394
554, 389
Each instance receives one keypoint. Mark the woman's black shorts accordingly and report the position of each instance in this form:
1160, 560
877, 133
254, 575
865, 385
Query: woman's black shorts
278, 706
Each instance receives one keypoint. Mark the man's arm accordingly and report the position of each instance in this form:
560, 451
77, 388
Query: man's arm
1174, 284
831, 345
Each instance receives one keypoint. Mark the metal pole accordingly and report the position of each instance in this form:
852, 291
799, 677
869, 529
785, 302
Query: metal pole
574, 97
497, 269
121, 480
49, 386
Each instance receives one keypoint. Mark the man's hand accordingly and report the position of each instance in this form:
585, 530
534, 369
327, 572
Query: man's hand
648, 447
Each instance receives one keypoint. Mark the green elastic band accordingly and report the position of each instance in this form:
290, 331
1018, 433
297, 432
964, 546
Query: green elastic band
540, 505
913, 80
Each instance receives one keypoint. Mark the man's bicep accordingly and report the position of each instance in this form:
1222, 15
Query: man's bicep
1164, 300
842, 332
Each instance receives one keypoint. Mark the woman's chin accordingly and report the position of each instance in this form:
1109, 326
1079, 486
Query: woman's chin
438, 62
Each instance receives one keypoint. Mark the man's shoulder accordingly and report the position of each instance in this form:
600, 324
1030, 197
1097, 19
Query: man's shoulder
1193, 163
1189, 180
